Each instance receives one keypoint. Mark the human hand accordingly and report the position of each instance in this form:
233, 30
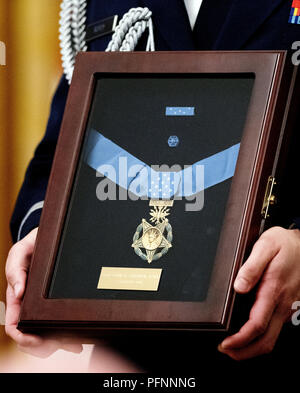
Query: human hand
274, 264
17, 265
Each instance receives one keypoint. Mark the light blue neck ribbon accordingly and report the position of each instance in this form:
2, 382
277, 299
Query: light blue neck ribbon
132, 174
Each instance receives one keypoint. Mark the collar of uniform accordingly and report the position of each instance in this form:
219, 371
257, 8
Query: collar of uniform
170, 18
243, 19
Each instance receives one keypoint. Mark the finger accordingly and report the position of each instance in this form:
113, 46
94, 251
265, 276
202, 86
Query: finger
70, 344
18, 262
260, 316
264, 250
261, 346
28, 343
43, 350
47, 347
74, 348
13, 306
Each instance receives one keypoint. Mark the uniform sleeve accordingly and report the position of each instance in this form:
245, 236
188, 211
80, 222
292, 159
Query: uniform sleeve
29, 204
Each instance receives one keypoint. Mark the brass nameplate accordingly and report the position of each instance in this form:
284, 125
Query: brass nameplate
135, 279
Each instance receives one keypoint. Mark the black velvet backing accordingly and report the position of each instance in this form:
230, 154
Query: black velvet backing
131, 112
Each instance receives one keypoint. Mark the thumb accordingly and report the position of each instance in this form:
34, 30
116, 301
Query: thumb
264, 250
18, 262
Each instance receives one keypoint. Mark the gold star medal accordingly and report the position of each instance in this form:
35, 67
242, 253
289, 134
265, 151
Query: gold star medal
154, 239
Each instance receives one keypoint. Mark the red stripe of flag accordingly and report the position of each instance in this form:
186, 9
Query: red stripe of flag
296, 4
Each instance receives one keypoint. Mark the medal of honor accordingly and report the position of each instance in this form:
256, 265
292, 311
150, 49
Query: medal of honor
156, 238
153, 239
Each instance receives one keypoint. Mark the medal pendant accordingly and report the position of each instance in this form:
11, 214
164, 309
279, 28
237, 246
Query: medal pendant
154, 239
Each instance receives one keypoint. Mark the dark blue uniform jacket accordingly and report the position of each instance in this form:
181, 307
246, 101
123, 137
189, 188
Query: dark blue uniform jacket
221, 25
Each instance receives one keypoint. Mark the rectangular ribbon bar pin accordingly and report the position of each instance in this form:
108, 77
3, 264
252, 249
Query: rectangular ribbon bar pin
180, 111
101, 28
295, 13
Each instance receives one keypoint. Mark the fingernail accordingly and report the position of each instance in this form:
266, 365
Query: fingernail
221, 348
241, 284
224, 344
17, 290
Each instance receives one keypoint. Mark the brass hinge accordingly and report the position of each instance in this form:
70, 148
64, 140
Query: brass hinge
269, 198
